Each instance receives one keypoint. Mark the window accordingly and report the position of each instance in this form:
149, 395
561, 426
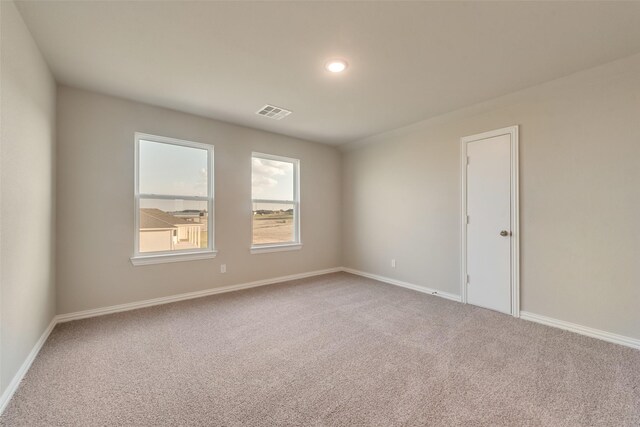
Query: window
276, 203
173, 200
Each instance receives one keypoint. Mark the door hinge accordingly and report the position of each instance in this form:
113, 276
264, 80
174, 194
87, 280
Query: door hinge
468, 220
468, 280
467, 160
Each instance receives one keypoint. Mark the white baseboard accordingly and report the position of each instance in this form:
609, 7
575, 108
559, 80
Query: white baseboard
190, 295
17, 378
15, 382
582, 330
400, 283
548, 321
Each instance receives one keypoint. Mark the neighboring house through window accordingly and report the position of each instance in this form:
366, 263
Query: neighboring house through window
173, 200
276, 203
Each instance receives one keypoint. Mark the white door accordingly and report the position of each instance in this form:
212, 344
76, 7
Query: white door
489, 222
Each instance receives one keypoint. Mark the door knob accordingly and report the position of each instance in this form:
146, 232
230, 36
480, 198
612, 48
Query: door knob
505, 233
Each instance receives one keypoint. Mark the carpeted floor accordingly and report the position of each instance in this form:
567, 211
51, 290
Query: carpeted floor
331, 350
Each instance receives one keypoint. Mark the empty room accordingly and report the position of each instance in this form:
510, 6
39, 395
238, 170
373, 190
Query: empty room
319, 213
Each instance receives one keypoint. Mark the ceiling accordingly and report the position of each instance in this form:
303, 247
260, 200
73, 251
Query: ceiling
408, 60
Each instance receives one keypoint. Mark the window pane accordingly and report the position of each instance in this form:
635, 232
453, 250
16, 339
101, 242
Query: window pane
272, 179
173, 225
273, 223
169, 169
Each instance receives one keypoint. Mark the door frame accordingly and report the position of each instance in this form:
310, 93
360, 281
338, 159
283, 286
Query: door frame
512, 131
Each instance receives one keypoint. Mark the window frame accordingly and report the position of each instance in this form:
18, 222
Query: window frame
296, 244
144, 258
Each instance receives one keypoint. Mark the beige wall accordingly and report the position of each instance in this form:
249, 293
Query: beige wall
579, 189
26, 194
95, 175
395, 195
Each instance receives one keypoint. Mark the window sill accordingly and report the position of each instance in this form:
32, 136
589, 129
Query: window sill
276, 248
164, 258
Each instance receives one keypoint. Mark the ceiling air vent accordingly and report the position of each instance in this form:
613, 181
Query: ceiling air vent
273, 112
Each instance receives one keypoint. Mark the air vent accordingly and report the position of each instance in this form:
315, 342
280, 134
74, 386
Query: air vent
273, 112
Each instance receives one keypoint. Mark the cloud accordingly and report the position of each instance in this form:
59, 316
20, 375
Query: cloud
202, 181
263, 181
265, 174
269, 168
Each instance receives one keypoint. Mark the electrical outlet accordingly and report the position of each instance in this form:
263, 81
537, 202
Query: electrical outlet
223, 268
393, 263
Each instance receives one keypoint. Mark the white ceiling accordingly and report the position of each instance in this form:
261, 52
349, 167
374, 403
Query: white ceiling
408, 61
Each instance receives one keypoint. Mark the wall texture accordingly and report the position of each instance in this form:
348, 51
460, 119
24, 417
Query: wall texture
95, 203
579, 189
27, 210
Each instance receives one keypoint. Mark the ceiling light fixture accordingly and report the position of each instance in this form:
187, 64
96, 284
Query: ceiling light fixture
336, 65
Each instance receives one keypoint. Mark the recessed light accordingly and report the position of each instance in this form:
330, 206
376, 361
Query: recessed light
336, 65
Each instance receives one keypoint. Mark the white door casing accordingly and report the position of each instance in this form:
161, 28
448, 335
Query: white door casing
490, 260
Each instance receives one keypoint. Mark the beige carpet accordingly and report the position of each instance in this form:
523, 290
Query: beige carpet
331, 350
